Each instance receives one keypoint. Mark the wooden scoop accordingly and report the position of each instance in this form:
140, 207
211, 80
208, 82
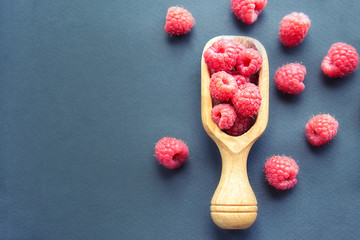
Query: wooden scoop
234, 204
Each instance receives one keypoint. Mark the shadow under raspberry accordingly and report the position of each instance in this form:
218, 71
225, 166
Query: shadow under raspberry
170, 173
244, 27
181, 39
273, 192
288, 98
337, 82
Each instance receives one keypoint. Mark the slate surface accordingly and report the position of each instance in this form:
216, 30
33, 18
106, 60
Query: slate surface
88, 87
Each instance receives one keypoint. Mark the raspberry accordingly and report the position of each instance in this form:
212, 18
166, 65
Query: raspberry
240, 79
222, 86
321, 129
342, 59
171, 152
249, 61
241, 125
248, 10
289, 78
238, 47
223, 115
221, 55
247, 99
293, 28
281, 171
178, 21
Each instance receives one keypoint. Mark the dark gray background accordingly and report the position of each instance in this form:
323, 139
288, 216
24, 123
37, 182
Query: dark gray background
88, 87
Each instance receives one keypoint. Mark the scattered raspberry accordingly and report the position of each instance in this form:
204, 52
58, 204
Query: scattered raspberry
221, 55
248, 10
321, 129
223, 115
222, 86
289, 78
240, 79
342, 59
241, 125
293, 28
247, 99
178, 21
171, 152
249, 61
281, 171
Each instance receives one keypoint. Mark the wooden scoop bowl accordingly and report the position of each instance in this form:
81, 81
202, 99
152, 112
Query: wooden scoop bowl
234, 204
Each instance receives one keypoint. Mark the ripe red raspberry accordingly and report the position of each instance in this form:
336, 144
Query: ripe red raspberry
238, 47
240, 79
342, 59
247, 99
171, 152
178, 21
248, 10
222, 86
281, 171
289, 78
241, 125
221, 55
249, 61
321, 129
223, 115
293, 28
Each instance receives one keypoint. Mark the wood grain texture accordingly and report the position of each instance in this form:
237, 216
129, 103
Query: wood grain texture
234, 204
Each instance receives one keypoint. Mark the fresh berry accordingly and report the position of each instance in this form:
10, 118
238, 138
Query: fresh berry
281, 171
240, 79
289, 78
342, 59
248, 10
221, 55
171, 152
321, 129
178, 21
247, 99
293, 28
223, 115
238, 47
241, 125
249, 61
222, 86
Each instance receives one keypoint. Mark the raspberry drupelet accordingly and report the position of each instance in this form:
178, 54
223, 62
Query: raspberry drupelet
241, 125
238, 47
293, 28
247, 99
221, 55
249, 61
248, 10
240, 79
171, 152
223, 115
222, 86
341, 59
289, 78
178, 21
321, 129
281, 171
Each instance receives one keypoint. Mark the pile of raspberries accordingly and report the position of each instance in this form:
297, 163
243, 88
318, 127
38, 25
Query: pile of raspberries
236, 97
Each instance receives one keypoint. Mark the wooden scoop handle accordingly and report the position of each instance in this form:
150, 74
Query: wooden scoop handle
234, 204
